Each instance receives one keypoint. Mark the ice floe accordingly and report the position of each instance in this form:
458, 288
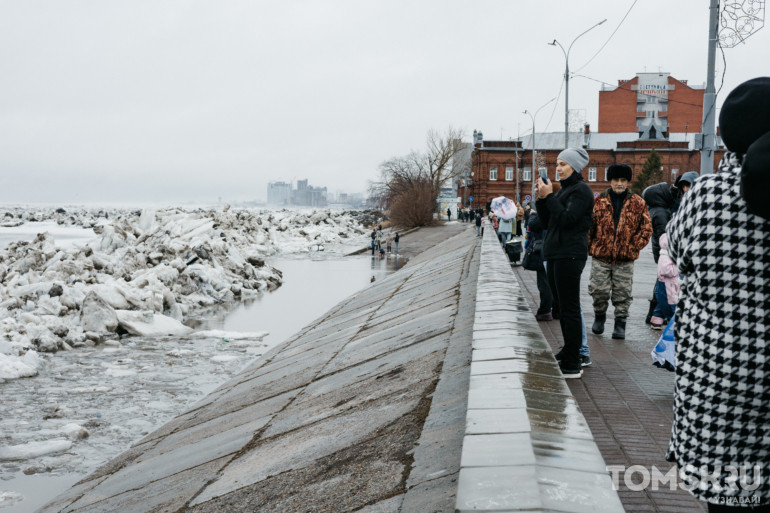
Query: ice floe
143, 272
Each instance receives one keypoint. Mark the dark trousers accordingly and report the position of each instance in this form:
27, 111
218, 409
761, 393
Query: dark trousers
564, 278
546, 298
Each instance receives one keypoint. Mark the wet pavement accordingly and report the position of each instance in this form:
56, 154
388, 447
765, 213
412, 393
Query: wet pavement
627, 402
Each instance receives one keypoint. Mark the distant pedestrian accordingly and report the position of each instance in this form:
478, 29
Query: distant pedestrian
478, 224
519, 221
396, 239
720, 241
374, 240
527, 213
378, 240
566, 216
668, 275
620, 229
388, 241
505, 229
662, 201
536, 236
448, 214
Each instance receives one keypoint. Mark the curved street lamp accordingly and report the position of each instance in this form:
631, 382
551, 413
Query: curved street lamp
533, 140
566, 80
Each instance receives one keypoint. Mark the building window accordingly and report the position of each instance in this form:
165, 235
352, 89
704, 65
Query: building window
674, 174
509, 173
527, 176
591, 174
493, 173
605, 174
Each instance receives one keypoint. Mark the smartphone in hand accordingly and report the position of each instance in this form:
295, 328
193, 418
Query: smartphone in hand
544, 175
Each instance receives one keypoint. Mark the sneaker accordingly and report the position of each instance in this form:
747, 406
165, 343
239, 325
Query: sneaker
585, 360
546, 316
657, 323
559, 355
569, 372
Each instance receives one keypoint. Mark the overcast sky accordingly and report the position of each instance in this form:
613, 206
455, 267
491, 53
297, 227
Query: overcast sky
173, 101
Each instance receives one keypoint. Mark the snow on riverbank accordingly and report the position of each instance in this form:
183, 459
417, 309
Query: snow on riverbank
144, 273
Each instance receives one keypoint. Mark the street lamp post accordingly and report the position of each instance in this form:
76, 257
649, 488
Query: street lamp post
566, 80
533, 140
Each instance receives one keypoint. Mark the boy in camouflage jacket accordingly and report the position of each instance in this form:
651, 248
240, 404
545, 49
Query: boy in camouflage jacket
620, 228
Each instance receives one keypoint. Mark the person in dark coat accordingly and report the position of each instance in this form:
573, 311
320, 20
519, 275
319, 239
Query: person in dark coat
566, 215
662, 201
536, 232
720, 241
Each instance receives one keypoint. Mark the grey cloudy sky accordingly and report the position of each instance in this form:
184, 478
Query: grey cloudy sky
172, 101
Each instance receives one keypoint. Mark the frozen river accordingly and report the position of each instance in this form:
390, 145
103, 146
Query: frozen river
118, 393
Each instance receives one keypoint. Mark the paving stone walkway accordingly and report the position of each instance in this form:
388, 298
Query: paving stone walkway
627, 402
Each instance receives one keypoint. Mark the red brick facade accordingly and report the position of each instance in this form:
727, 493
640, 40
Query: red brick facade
676, 160
670, 100
618, 108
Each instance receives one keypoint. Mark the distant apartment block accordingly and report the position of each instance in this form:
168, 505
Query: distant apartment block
282, 194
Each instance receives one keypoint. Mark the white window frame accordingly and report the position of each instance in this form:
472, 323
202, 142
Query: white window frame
556, 174
674, 174
591, 174
606, 173
527, 174
493, 173
509, 173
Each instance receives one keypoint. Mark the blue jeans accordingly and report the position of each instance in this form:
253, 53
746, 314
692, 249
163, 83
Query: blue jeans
663, 309
396, 247
478, 230
584, 351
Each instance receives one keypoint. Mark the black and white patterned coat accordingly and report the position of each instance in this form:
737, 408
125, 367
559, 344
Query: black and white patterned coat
722, 393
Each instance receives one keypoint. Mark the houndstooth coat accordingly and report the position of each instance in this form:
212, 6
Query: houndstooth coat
722, 393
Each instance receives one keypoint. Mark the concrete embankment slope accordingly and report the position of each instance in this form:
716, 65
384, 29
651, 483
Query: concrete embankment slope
364, 408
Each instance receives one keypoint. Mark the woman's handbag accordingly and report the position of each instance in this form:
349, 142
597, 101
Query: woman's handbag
533, 256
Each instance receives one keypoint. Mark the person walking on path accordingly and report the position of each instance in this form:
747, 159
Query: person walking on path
720, 241
448, 214
519, 221
662, 201
566, 216
374, 240
668, 274
536, 233
620, 229
504, 229
478, 224
389, 241
396, 239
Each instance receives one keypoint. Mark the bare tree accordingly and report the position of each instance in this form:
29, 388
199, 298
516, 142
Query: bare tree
443, 162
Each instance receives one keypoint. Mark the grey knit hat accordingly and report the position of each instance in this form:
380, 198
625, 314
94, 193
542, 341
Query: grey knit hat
577, 158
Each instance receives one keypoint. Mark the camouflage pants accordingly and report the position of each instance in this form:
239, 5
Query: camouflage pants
611, 281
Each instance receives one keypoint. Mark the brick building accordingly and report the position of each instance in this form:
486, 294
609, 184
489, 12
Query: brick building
650, 111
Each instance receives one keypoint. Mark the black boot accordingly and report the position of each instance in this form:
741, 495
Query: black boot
599, 319
653, 305
620, 328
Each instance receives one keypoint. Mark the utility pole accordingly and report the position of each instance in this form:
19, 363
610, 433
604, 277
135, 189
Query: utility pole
708, 130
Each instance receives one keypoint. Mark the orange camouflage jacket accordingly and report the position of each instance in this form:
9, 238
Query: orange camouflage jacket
633, 233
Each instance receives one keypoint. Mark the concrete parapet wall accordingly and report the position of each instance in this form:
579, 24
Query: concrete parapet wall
527, 446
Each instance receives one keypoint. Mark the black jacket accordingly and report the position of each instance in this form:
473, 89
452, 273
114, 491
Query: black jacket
660, 199
566, 217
